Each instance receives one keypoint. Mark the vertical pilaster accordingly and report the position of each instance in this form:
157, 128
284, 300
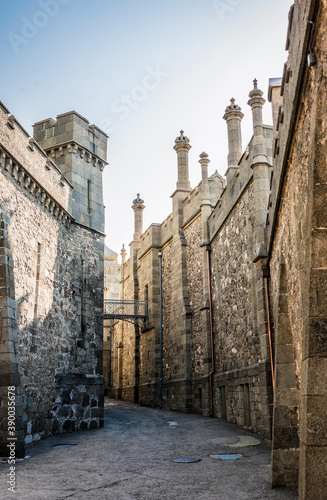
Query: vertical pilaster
261, 191
120, 340
138, 207
260, 167
206, 209
181, 336
9, 366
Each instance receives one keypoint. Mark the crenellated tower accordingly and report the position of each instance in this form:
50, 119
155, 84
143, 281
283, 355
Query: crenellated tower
80, 151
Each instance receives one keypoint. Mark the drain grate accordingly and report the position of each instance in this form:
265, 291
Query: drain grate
186, 460
226, 457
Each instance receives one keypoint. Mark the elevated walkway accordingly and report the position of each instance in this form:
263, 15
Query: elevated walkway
132, 311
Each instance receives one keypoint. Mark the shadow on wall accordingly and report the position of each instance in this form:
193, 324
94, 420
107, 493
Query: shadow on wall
51, 337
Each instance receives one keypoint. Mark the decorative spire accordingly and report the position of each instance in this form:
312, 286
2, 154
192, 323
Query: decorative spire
182, 147
123, 254
256, 103
138, 207
204, 162
256, 92
233, 107
182, 139
138, 200
233, 116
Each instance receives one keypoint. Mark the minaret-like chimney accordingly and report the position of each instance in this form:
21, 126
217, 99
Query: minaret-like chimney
206, 206
205, 195
256, 102
261, 173
182, 147
122, 273
233, 116
123, 255
138, 207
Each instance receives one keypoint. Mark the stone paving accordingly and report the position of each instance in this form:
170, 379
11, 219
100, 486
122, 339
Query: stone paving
131, 458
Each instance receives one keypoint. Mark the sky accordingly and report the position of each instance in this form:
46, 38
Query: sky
142, 70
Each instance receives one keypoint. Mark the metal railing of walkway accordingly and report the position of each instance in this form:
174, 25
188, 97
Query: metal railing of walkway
132, 311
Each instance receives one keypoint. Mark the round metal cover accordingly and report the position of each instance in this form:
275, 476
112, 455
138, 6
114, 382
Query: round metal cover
186, 460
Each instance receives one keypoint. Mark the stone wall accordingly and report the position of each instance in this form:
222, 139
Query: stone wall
129, 346
193, 236
236, 340
297, 257
148, 283
54, 288
243, 381
166, 306
222, 221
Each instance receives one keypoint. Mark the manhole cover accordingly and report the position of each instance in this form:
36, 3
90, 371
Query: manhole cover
226, 457
186, 460
67, 445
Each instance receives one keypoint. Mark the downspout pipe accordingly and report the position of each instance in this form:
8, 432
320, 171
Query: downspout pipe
161, 332
266, 276
211, 374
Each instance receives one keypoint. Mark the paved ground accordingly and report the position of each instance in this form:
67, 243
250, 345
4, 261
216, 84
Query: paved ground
131, 459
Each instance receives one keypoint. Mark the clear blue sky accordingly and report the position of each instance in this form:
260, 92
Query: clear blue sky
141, 70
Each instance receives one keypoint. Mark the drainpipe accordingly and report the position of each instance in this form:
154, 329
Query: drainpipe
161, 336
266, 276
208, 250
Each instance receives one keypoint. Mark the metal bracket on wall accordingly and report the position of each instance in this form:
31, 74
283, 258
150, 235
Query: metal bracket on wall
132, 311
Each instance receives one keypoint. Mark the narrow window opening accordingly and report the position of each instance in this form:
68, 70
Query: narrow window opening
89, 195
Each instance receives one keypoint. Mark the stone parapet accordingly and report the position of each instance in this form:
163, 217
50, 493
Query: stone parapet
18, 174
28, 161
71, 127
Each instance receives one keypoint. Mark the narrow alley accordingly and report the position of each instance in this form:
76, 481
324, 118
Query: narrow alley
131, 458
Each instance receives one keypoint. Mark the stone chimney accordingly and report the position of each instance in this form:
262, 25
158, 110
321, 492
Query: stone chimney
256, 102
233, 116
205, 195
182, 147
138, 207
123, 255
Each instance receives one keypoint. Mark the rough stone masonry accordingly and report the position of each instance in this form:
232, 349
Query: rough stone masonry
244, 275
51, 265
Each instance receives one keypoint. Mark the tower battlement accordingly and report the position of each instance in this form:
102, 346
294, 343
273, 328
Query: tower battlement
71, 126
80, 151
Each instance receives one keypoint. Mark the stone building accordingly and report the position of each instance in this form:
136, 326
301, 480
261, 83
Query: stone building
215, 349
51, 294
112, 273
235, 277
297, 257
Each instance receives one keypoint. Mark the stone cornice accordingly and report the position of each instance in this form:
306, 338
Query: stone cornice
14, 169
33, 144
72, 147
